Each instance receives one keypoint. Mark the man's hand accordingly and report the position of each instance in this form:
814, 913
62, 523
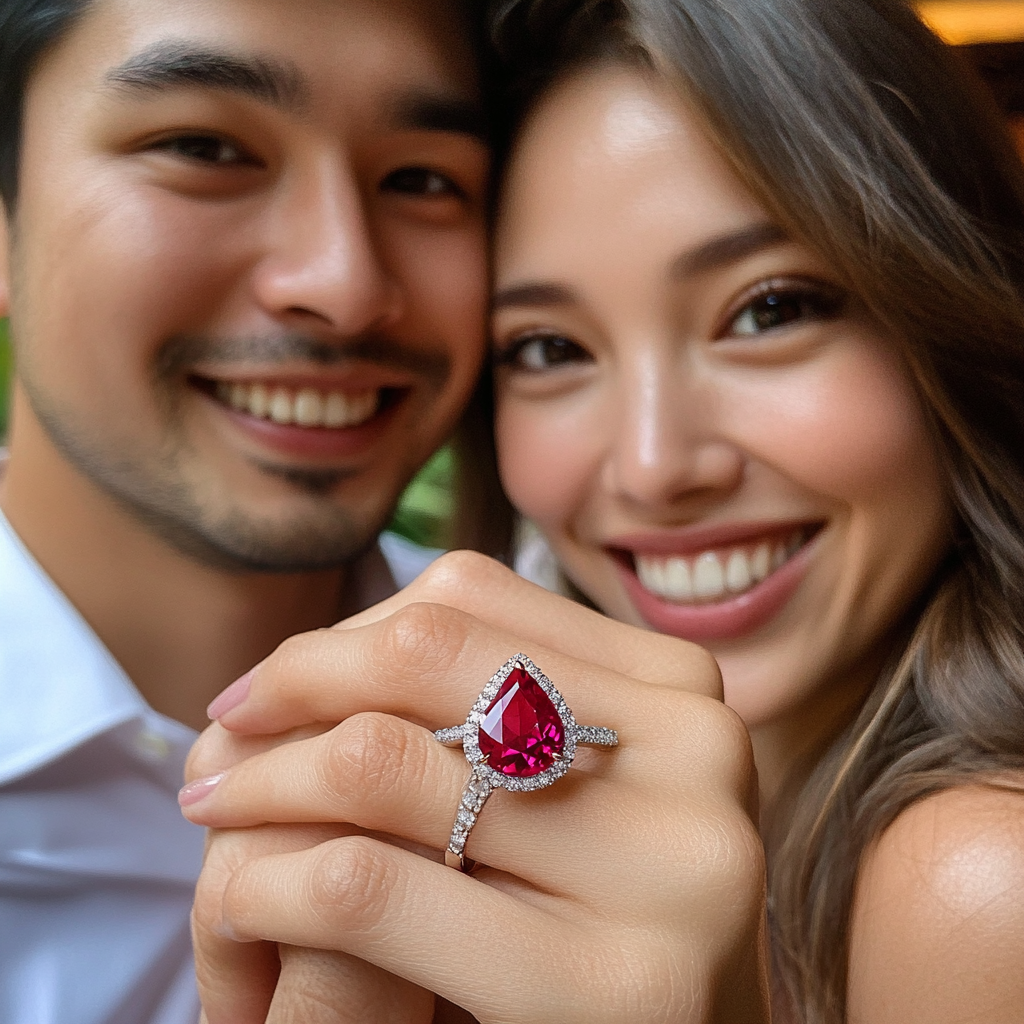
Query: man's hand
632, 889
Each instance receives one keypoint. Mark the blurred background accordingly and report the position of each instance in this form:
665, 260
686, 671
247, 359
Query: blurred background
990, 33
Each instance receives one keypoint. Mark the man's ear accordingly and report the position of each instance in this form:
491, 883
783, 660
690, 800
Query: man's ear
5, 262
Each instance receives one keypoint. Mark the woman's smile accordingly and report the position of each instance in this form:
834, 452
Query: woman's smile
704, 589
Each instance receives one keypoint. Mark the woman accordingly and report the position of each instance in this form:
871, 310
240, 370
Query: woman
759, 339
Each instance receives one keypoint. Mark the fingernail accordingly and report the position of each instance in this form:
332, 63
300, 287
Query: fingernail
196, 791
224, 930
231, 697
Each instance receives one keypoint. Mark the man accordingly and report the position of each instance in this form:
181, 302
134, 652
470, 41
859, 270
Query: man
243, 257
243, 260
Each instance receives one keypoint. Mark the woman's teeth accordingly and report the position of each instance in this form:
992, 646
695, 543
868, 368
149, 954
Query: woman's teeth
306, 407
712, 575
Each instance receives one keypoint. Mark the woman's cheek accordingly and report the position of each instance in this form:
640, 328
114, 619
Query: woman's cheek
546, 457
847, 427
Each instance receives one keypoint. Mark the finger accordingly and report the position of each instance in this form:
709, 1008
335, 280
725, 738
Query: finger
370, 770
218, 748
427, 663
397, 911
483, 587
236, 981
325, 987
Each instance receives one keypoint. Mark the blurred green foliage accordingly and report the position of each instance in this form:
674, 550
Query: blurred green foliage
5, 377
423, 515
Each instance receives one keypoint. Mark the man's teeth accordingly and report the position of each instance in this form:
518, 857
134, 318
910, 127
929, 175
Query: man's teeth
712, 575
306, 407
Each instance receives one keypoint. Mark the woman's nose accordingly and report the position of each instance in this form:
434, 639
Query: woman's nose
666, 447
326, 263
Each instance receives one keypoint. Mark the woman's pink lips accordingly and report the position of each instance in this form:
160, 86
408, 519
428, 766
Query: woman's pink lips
724, 620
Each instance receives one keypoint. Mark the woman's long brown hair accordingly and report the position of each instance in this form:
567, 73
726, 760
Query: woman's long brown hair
869, 139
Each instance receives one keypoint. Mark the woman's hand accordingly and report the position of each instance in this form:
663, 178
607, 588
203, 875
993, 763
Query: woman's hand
632, 889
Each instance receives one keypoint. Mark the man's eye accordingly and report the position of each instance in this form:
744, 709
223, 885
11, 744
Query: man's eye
779, 307
207, 149
421, 181
542, 352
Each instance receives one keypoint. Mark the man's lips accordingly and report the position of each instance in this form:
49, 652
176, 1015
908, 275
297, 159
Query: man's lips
714, 582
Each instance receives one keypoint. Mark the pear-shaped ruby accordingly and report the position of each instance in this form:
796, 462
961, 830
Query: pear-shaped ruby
521, 733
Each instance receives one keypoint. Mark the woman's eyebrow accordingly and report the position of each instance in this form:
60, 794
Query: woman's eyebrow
725, 249
533, 293
175, 63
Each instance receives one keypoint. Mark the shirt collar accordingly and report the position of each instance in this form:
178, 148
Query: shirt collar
59, 685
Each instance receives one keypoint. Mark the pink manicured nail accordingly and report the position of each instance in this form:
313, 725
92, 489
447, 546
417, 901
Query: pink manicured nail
195, 791
231, 697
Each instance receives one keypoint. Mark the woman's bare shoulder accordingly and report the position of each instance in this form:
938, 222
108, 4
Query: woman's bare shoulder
938, 919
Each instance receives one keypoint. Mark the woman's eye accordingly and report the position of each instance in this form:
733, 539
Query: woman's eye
421, 181
206, 149
780, 307
542, 352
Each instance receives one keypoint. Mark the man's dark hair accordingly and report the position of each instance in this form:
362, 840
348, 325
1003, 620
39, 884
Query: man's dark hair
27, 29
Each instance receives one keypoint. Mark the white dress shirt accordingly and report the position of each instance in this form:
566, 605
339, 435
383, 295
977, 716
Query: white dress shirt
97, 865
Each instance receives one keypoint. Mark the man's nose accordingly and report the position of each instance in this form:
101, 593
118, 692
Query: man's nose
666, 447
322, 261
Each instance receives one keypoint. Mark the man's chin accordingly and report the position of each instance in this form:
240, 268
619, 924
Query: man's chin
202, 517
239, 543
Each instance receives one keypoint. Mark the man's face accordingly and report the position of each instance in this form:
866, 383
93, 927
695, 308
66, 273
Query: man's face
247, 265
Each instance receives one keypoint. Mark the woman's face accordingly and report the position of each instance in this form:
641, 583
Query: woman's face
715, 438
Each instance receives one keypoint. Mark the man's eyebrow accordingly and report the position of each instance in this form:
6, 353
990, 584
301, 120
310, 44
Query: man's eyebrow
437, 112
533, 293
176, 64
725, 249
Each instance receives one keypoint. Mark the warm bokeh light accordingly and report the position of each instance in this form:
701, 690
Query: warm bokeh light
1017, 128
963, 22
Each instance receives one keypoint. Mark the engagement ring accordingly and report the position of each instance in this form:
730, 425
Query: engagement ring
519, 735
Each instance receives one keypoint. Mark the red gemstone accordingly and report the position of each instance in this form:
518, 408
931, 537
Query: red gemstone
521, 733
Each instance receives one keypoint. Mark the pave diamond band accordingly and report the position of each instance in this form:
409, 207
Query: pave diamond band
474, 796
519, 735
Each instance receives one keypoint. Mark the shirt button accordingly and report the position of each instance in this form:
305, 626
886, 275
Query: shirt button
152, 746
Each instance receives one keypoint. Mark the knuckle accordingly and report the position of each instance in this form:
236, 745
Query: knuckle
349, 884
703, 674
708, 668
369, 752
458, 573
222, 856
205, 905
727, 757
214, 751
425, 639
198, 761
749, 862
737, 860
293, 655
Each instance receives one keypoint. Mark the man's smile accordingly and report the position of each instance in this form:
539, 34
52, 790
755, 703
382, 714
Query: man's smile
304, 407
